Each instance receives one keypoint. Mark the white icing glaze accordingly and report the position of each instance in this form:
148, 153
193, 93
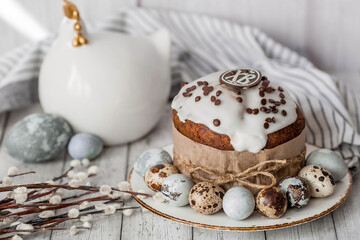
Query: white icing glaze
246, 131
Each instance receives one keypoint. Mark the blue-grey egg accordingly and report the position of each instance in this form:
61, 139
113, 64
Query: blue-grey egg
85, 145
151, 158
38, 137
238, 203
329, 160
176, 189
297, 191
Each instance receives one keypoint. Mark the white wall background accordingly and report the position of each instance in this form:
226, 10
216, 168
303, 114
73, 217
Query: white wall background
325, 31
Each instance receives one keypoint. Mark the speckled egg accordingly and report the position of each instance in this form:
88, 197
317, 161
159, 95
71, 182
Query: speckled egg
151, 158
38, 137
297, 191
238, 203
329, 160
85, 145
271, 202
176, 188
321, 181
156, 175
206, 198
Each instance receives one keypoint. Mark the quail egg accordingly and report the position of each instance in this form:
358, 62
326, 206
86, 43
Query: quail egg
206, 198
156, 175
271, 202
321, 181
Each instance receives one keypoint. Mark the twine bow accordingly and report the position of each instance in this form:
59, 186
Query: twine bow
242, 177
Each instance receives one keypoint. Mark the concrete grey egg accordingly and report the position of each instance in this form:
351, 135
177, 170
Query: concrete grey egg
85, 145
150, 158
38, 137
238, 203
176, 189
329, 160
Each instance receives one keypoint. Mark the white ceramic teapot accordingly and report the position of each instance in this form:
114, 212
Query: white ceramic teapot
112, 85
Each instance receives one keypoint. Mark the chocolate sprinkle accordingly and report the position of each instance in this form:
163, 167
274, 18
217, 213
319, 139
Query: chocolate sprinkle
266, 125
183, 84
186, 94
283, 112
322, 178
263, 101
275, 110
268, 110
239, 99
218, 93
213, 98
271, 100
283, 101
262, 88
265, 83
238, 92
249, 110
197, 98
281, 95
264, 78
216, 122
255, 111
268, 119
269, 89
280, 89
217, 102
261, 93
263, 109
277, 103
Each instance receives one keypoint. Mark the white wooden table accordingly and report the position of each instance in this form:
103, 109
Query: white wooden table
115, 164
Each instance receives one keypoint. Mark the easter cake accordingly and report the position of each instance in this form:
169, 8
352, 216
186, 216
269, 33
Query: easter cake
237, 128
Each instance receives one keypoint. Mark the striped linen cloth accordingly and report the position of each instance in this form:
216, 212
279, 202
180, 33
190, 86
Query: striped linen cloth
202, 45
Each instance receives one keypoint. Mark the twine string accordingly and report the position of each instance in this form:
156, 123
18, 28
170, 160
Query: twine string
200, 174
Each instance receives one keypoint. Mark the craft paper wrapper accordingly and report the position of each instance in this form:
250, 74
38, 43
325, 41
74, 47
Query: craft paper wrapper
225, 161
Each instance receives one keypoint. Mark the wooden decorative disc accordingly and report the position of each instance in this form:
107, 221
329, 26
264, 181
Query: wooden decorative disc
241, 78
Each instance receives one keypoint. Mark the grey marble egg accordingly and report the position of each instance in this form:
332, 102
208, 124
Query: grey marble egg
151, 158
176, 189
38, 137
271, 202
321, 181
206, 198
329, 160
297, 191
85, 145
155, 176
238, 203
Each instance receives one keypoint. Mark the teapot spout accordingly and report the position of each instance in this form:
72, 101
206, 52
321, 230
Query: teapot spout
162, 41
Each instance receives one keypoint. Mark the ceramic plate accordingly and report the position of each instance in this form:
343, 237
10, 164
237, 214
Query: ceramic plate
317, 208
